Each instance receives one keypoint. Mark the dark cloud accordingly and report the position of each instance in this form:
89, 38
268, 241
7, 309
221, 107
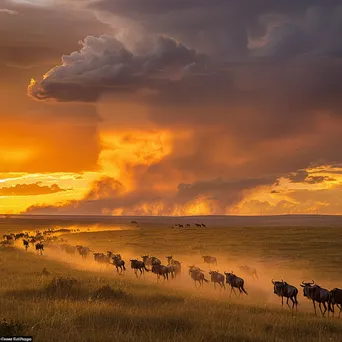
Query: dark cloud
30, 189
298, 177
105, 64
319, 179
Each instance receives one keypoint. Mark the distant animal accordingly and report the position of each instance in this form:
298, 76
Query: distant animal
26, 244
336, 299
198, 225
283, 289
118, 263
138, 265
235, 282
217, 278
209, 260
161, 270
197, 276
249, 271
317, 294
188, 225
134, 222
203, 225
181, 226
39, 248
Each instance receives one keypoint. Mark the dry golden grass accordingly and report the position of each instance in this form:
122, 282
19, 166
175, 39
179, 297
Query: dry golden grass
102, 306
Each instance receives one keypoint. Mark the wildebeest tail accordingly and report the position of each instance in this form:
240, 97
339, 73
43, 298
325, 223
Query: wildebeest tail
123, 266
146, 269
256, 275
206, 280
242, 288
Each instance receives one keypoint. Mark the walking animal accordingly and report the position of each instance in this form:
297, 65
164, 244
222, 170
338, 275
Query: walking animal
39, 248
176, 264
317, 294
26, 244
336, 299
138, 265
249, 271
197, 276
217, 278
283, 289
236, 282
118, 263
209, 260
161, 270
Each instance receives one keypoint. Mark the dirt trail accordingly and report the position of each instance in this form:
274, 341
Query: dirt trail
260, 292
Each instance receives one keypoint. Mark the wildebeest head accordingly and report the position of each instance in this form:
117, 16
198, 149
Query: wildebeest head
278, 287
308, 289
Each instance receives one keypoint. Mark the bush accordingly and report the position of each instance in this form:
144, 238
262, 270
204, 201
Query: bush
61, 286
106, 292
12, 328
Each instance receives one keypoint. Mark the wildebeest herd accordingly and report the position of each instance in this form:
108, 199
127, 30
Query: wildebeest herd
327, 300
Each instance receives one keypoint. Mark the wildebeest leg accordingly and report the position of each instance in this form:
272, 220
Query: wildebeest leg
231, 290
287, 302
282, 301
214, 286
234, 291
314, 306
325, 308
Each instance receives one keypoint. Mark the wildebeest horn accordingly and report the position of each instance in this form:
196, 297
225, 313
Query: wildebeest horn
312, 282
272, 282
303, 282
282, 280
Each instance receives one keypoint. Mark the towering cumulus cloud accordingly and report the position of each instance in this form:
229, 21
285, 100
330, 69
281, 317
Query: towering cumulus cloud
248, 94
105, 64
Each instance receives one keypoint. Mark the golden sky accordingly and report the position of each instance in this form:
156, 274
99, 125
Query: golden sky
161, 108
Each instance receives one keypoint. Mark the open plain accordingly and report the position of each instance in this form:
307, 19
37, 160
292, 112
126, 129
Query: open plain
78, 299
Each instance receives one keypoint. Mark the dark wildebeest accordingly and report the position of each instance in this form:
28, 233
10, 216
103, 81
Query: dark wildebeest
26, 244
336, 299
249, 271
161, 270
118, 263
317, 294
198, 225
39, 248
138, 265
283, 289
235, 281
188, 225
217, 278
203, 225
209, 260
197, 276
177, 264
181, 226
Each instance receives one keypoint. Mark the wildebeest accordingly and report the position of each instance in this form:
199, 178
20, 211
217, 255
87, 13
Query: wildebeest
317, 294
217, 278
336, 299
161, 270
203, 225
118, 263
235, 281
83, 251
250, 271
150, 260
138, 265
188, 225
101, 258
39, 248
197, 276
283, 289
209, 260
26, 244
194, 268
198, 225
176, 264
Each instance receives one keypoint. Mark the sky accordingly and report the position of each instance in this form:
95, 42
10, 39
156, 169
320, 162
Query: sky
171, 107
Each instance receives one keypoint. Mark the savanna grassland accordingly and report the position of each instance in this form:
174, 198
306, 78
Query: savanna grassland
83, 301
